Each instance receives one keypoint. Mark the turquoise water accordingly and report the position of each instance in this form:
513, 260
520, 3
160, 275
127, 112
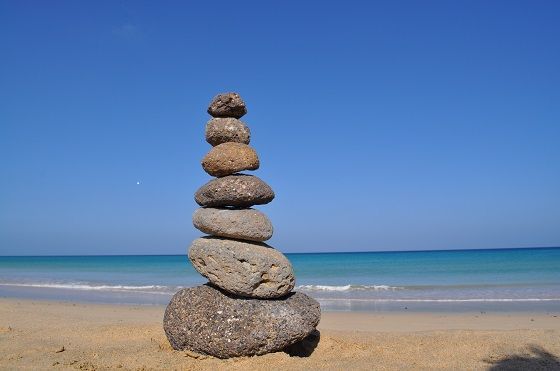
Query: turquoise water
468, 279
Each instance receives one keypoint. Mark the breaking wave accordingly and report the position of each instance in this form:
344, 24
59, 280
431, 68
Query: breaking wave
152, 289
348, 288
473, 300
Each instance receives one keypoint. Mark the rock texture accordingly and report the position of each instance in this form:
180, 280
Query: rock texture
243, 268
238, 190
227, 129
230, 158
227, 105
244, 224
248, 307
208, 321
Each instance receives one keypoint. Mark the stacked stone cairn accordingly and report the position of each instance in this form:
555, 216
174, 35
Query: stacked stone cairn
247, 307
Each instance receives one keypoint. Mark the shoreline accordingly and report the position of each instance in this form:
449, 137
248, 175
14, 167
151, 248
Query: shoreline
381, 321
65, 335
352, 305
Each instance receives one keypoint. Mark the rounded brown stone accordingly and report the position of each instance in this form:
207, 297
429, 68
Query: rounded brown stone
243, 224
206, 320
227, 129
243, 268
237, 190
230, 158
227, 105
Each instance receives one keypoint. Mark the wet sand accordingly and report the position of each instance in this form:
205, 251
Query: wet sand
61, 335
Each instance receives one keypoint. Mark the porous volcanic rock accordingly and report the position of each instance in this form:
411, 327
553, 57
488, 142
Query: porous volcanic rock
227, 129
237, 190
244, 224
209, 321
243, 268
230, 158
227, 105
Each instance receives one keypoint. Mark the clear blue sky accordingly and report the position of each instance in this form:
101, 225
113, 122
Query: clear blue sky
394, 125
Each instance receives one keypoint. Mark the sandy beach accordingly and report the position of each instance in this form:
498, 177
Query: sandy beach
62, 335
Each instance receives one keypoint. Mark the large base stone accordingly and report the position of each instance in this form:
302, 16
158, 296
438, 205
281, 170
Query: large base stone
206, 320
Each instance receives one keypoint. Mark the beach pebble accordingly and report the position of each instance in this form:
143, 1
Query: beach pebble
207, 320
230, 158
227, 129
244, 224
227, 105
243, 268
235, 190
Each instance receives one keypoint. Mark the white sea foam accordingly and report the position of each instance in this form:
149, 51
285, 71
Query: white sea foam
155, 289
314, 290
348, 288
438, 300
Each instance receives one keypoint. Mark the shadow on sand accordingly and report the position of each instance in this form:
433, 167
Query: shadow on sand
537, 359
305, 347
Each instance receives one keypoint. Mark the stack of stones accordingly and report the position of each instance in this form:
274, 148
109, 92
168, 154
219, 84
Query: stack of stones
248, 306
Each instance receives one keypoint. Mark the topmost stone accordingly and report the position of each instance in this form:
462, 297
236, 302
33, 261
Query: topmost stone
227, 105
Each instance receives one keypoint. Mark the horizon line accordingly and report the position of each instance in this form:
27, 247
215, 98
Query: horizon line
301, 253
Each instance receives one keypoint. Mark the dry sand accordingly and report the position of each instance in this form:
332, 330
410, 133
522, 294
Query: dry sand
52, 335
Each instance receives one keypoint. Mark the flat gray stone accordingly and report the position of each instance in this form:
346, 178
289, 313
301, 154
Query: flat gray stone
209, 321
227, 105
227, 129
243, 224
243, 268
237, 190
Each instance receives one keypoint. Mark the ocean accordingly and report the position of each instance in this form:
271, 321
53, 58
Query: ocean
454, 280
